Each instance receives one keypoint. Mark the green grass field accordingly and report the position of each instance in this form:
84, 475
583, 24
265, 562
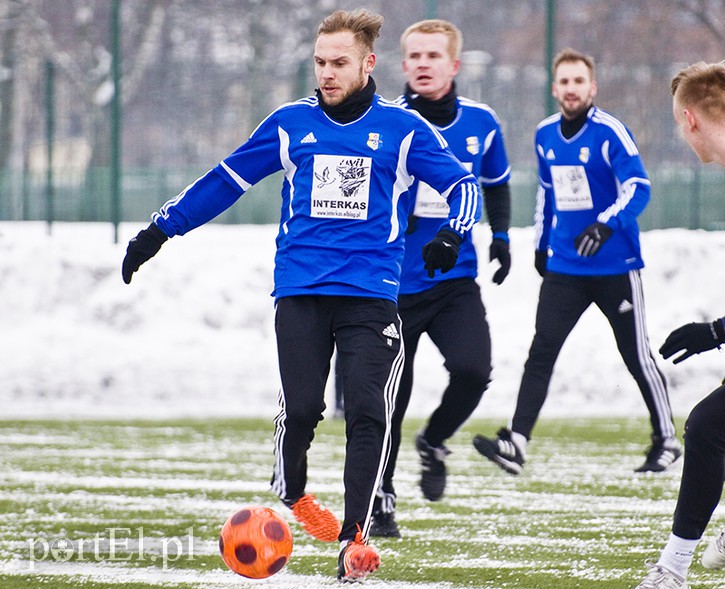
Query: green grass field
139, 505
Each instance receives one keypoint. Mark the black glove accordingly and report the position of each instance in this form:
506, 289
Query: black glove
441, 252
499, 250
589, 241
692, 339
541, 257
140, 249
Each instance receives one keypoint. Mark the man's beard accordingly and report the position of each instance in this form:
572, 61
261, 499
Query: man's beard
343, 97
574, 113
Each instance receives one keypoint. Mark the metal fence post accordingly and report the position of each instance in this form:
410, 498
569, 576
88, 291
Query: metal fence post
116, 118
432, 9
50, 140
549, 57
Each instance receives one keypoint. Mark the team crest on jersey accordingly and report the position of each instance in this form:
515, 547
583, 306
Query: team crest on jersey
473, 146
584, 155
341, 187
374, 140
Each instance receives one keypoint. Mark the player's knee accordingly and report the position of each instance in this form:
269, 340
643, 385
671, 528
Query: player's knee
702, 423
303, 416
542, 358
471, 377
370, 413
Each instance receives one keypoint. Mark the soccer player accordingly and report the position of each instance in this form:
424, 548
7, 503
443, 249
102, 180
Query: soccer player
699, 109
448, 306
348, 158
592, 187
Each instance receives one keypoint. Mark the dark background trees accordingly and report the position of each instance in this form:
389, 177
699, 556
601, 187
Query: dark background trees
198, 75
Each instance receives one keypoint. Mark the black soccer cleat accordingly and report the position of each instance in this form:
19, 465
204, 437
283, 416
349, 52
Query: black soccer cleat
501, 451
384, 525
660, 455
433, 473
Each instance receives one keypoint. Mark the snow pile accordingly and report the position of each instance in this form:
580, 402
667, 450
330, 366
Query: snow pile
193, 335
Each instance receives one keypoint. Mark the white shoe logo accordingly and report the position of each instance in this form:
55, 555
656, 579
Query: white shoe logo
309, 138
625, 306
667, 458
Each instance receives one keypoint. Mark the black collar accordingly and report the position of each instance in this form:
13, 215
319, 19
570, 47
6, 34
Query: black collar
570, 127
440, 112
352, 107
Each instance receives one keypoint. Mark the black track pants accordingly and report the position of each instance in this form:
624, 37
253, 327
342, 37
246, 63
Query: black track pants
367, 335
453, 316
562, 301
703, 470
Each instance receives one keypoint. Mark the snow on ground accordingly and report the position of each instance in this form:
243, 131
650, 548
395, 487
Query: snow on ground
173, 577
193, 334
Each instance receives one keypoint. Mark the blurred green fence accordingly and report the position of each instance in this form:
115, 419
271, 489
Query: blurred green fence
681, 197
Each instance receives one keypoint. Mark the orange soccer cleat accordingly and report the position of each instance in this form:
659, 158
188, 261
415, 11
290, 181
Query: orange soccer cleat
318, 521
356, 560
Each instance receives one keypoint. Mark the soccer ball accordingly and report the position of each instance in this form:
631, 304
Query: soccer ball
255, 542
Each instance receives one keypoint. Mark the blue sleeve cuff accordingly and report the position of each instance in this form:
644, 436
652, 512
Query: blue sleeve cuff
502, 236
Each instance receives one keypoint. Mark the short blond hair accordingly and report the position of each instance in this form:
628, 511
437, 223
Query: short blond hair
434, 25
363, 24
570, 55
701, 85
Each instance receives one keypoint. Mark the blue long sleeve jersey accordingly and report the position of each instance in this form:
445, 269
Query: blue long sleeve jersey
596, 175
476, 139
345, 199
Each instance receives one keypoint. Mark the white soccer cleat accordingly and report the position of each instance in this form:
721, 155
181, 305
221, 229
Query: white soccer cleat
661, 578
714, 555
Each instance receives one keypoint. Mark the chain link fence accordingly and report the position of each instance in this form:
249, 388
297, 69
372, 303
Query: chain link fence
196, 83
681, 197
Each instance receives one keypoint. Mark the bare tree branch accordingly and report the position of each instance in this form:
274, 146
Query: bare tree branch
147, 50
707, 15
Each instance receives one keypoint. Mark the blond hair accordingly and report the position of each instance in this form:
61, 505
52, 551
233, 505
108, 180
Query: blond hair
455, 38
570, 55
701, 85
363, 24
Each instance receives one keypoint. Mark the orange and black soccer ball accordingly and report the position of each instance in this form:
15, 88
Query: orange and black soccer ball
255, 542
